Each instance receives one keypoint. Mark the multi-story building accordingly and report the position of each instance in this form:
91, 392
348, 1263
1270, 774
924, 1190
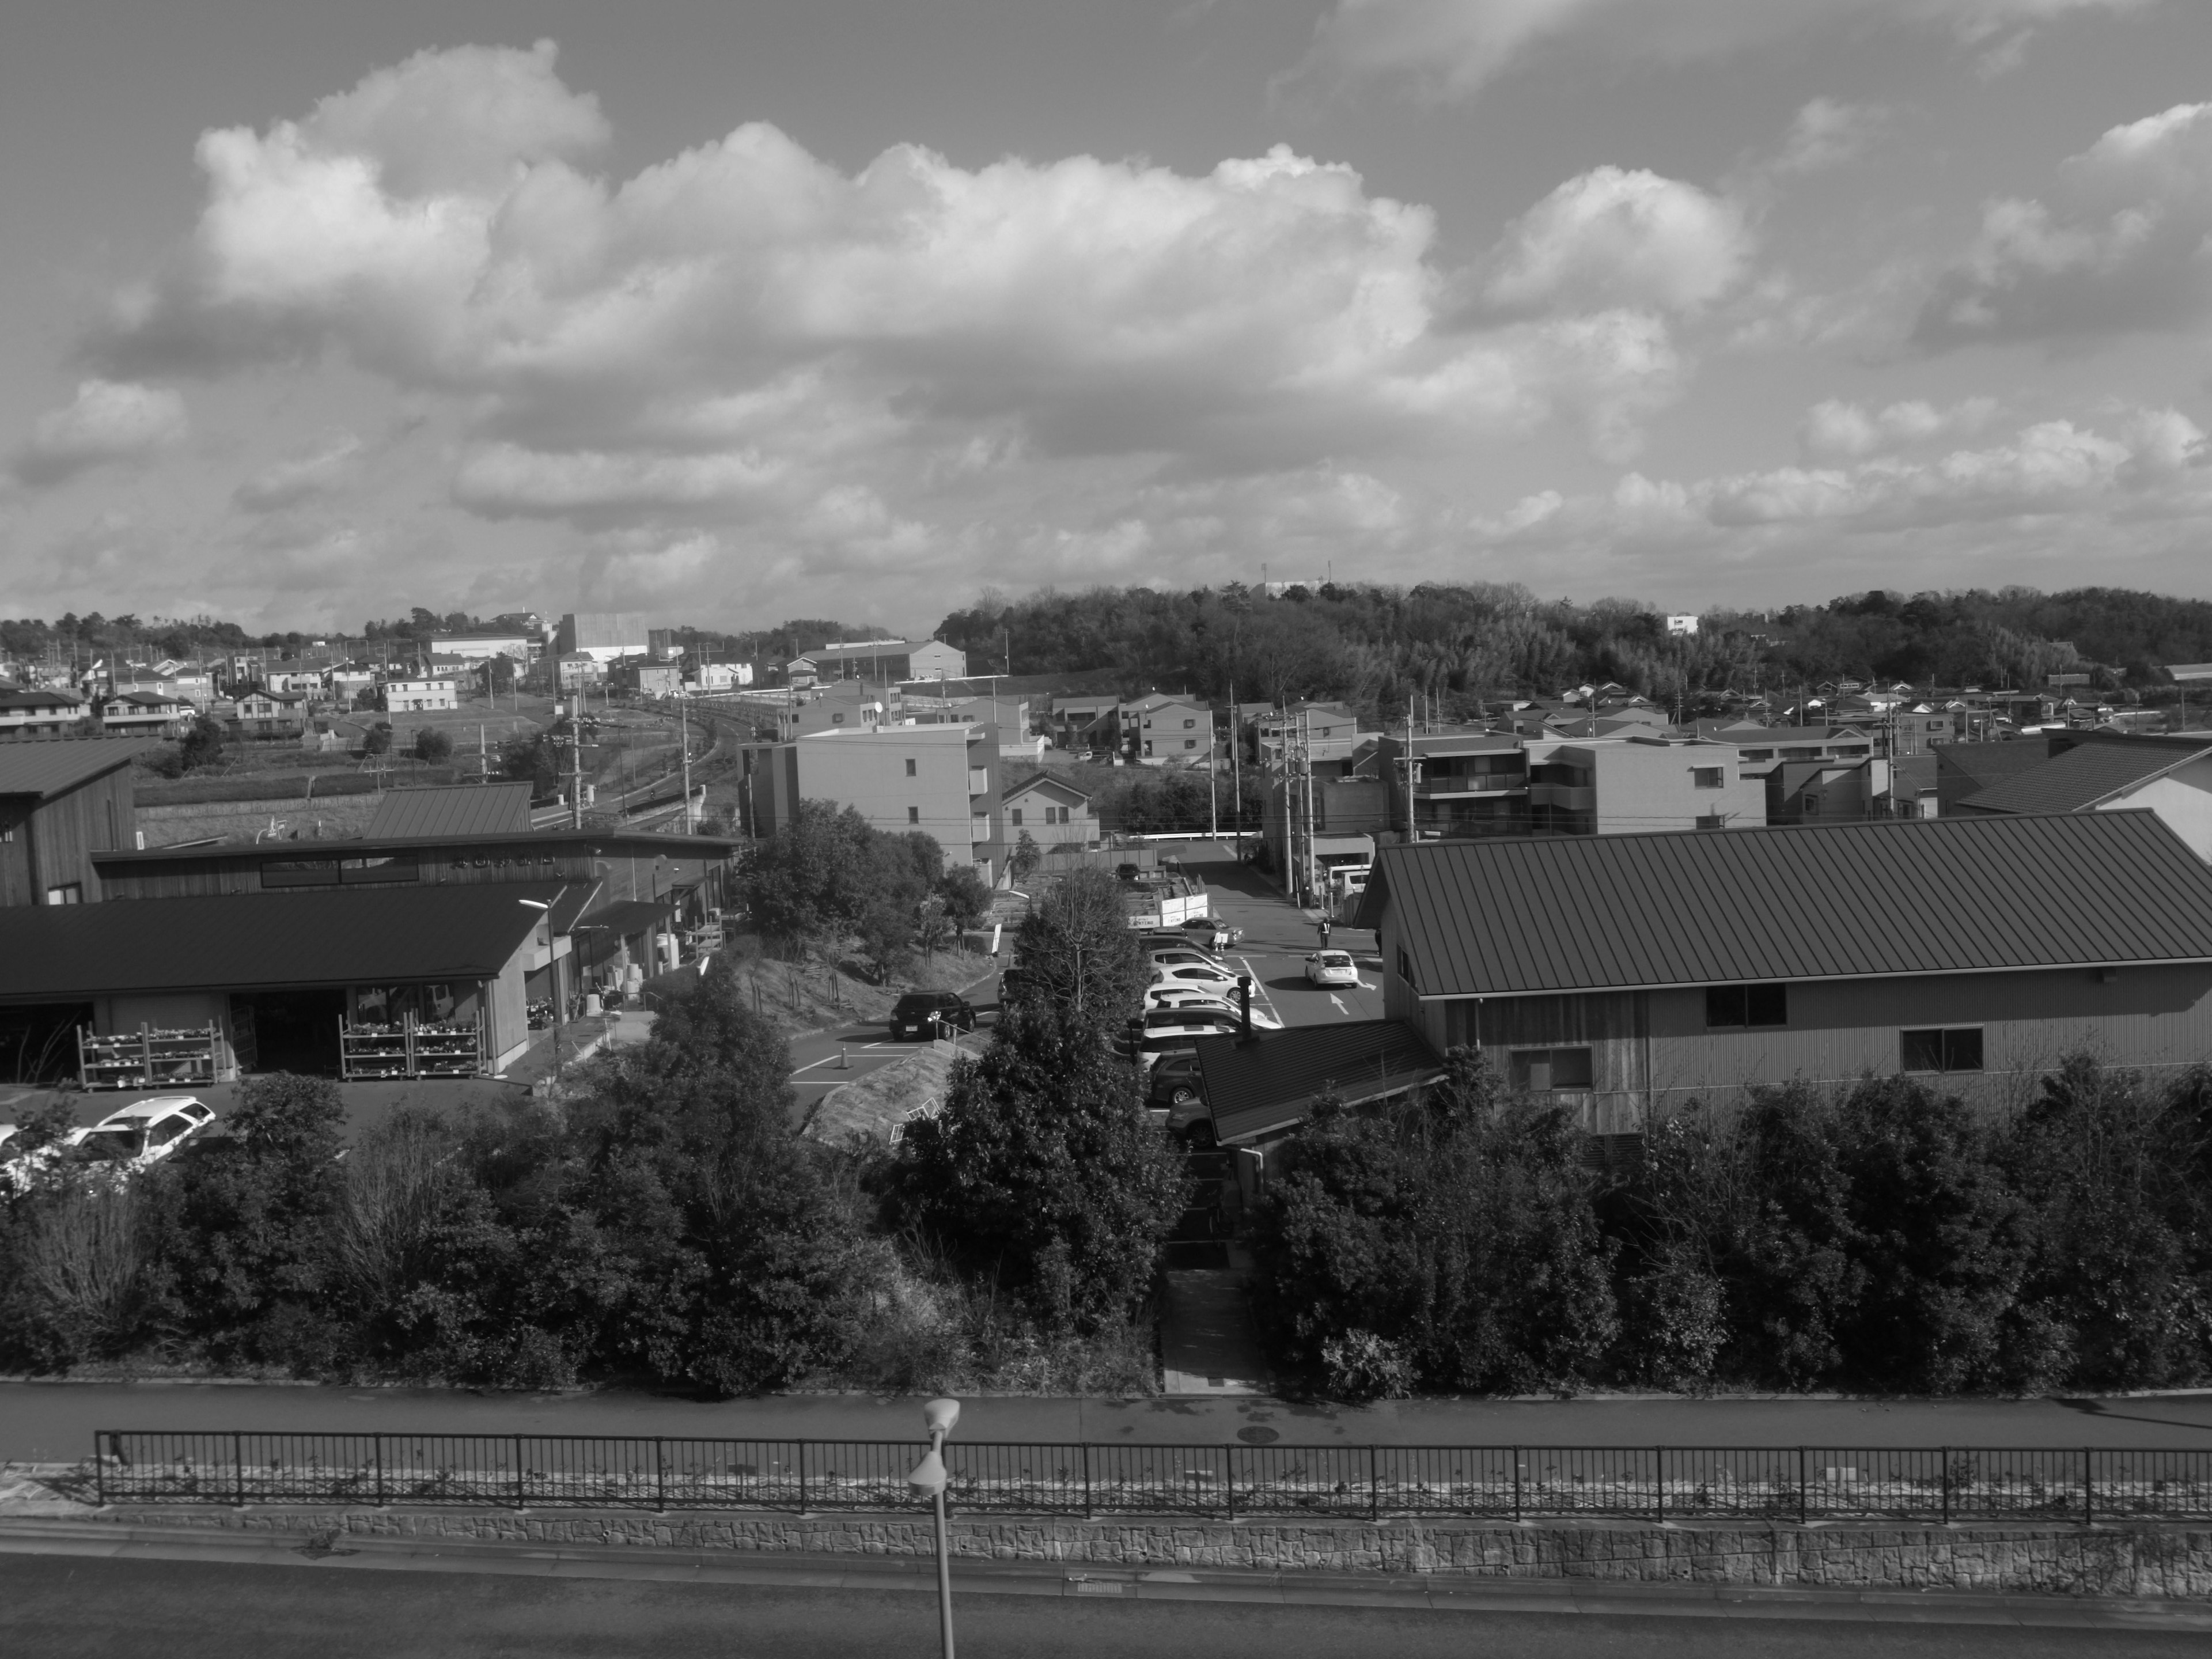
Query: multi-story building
41, 709
1469, 781
839, 706
143, 714
416, 696
942, 779
1475, 783
604, 636
1158, 730
478, 647
1082, 720
268, 714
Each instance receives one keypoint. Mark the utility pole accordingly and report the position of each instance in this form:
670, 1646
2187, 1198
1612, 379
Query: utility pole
683, 741
1236, 772
577, 765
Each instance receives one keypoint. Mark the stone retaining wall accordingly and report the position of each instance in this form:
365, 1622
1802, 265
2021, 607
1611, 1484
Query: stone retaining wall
2171, 1561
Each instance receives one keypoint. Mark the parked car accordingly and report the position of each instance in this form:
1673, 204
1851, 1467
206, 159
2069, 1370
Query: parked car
1197, 996
1332, 968
922, 1014
144, 1133
1169, 1029
1176, 1097
1196, 974
1213, 934
1181, 956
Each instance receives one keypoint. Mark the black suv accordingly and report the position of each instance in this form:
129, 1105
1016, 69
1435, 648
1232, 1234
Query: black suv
922, 1013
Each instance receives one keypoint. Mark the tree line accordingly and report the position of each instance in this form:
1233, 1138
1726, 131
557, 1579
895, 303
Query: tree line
1890, 1239
662, 1219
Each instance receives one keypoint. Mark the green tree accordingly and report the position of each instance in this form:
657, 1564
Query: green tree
1026, 857
967, 900
1042, 1175
736, 1266
201, 746
1449, 1242
1078, 958
377, 740
432, 745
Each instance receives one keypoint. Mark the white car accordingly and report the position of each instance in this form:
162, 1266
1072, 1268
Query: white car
1221, 982
144, 1133
1332, 968
1181, 956
1172, 996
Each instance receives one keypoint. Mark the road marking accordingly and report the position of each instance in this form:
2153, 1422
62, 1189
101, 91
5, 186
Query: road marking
1338, 1001
1260, 989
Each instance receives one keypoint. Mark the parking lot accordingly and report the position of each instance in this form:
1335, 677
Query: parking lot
1278, 939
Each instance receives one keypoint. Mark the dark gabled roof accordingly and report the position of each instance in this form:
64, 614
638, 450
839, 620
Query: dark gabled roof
46, 770
1936, 896
67, 952
1271, 1080
474, 809
2069, 781
54, 697
1983, 764
1041, 780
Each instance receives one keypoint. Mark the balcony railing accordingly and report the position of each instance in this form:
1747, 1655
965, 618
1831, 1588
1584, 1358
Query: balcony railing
1474, 783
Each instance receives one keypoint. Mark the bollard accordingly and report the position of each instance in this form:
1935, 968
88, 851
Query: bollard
843, 1064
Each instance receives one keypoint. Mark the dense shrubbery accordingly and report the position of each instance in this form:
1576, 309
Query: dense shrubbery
831, 872
1891, 1240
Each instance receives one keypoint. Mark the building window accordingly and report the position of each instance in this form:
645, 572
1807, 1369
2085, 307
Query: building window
1190, 743
1016, 815
1934, 1049
72, 893
836, 720
1405, 966
1541, 1070
1708, 777
1148, 745
914, 815
1730, 1006
910, 768
1711, 821
1192, 726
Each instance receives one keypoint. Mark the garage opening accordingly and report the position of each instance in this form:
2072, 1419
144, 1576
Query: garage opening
287, 1031
38, 1045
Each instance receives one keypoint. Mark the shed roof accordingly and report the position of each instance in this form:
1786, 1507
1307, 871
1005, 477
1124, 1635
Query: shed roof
2081, 776
473, 808
1271, 1079
64, 953
625, 917
46, 770
1937, 896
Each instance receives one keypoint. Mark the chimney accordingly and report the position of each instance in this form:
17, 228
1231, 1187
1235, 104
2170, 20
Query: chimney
1244, 1008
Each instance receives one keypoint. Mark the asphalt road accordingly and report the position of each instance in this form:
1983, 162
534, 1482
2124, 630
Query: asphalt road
1278, 937
55, 1607
54, 1422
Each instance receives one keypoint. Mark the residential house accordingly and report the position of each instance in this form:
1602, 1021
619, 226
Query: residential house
1052, 812
942, 779
31, 711
879, 661
59, 804
1338, 831
268, 714
417, 696
143, 714
1082, 720
1327, 734
1159, 730
309, 682
1811, 774
2097, 771
714, 677
1627, 976
579, 670
1464, 782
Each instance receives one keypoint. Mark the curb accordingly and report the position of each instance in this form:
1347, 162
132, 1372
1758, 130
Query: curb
50, 1538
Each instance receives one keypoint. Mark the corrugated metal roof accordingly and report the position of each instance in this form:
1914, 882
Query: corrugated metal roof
1505, 917
2072, 781
1272, 1080
625, 916
64, 953
471, 809
53, 768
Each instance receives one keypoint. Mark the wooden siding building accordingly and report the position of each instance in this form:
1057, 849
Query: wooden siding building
1631, 975
61, 804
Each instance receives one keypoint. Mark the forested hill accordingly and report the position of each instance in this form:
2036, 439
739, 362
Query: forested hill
1376, 646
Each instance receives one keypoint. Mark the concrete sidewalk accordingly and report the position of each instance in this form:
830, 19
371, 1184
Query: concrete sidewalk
353, 1552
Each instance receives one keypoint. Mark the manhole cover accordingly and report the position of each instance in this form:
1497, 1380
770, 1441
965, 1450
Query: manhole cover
1258, 1437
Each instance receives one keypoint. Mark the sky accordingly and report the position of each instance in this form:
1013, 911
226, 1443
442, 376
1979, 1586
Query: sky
735, 311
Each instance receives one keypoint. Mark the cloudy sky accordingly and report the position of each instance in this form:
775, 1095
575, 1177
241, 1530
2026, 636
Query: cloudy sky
854, 308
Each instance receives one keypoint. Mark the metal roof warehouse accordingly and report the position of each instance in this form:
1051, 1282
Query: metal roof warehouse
1631, 973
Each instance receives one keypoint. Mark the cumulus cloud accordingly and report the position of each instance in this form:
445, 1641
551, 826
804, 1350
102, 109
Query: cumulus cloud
1620, 238
1826, 133
747, 348
107, 421
1453, 47
2124, 244
1841, 431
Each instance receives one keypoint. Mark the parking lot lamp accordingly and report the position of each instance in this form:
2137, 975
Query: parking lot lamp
929, 1478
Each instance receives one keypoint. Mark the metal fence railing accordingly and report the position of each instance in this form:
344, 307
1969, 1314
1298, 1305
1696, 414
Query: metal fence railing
1656, 1483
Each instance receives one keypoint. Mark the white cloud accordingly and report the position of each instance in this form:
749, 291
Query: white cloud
320, 471
745, 350
2125, 244
1828, 133
1619, 238
1453, 47
107, 421
1841, 431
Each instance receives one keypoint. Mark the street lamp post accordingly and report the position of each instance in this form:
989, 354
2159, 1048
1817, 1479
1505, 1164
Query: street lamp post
929, 1478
